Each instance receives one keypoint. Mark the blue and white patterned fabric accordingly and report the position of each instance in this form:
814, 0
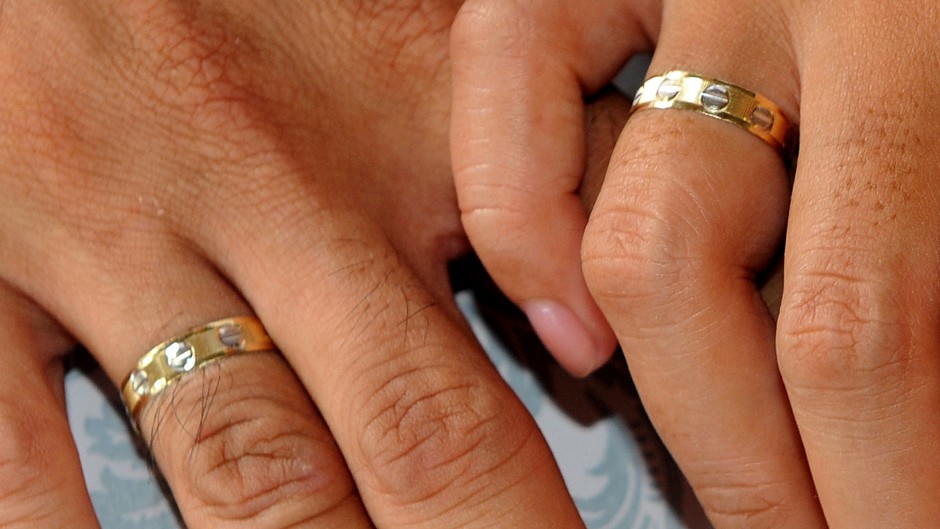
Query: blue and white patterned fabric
612, 462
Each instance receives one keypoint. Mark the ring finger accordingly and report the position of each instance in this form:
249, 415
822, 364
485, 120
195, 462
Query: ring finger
691, 211
239, 442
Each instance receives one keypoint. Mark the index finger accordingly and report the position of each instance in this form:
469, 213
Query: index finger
521, 71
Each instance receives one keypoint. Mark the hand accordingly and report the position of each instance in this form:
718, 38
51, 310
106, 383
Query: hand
165, 164
846, 429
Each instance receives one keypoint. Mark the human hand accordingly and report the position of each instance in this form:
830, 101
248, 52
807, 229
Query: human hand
166, 164
830, 415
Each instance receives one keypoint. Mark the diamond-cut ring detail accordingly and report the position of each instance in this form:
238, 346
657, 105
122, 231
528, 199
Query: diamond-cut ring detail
719, 99
668, 90
168, 362
180, 357
140, 382
639, 94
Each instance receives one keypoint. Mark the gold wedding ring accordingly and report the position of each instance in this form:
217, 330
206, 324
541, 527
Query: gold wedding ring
721, 100
166, 363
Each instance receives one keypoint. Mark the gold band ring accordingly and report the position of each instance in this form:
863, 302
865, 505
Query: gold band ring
166, 363
721, 100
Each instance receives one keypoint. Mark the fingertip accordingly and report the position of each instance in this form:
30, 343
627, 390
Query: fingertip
579, 347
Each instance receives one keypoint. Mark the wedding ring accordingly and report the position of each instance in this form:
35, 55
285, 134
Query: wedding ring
166, 363
721, 100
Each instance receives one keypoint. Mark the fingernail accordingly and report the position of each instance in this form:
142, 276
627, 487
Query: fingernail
565, 336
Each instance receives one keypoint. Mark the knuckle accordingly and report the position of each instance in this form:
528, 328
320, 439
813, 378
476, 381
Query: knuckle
745, 503
250, 465
747, 491
483, 202
842, 331
241, 454
427, 426
485, 206
636, 254
430, 433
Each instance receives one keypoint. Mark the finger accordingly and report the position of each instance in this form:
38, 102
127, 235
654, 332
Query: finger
91, 232
249, 424
520, 72
692, 208
431, 434
239, 442
41, 484
859, 335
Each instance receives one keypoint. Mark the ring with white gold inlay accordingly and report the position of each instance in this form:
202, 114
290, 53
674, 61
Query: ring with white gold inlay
721, 100
166, 363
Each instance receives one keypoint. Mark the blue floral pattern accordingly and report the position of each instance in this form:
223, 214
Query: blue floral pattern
123, 490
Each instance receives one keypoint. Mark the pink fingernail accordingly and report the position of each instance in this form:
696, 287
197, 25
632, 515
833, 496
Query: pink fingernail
566, 336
